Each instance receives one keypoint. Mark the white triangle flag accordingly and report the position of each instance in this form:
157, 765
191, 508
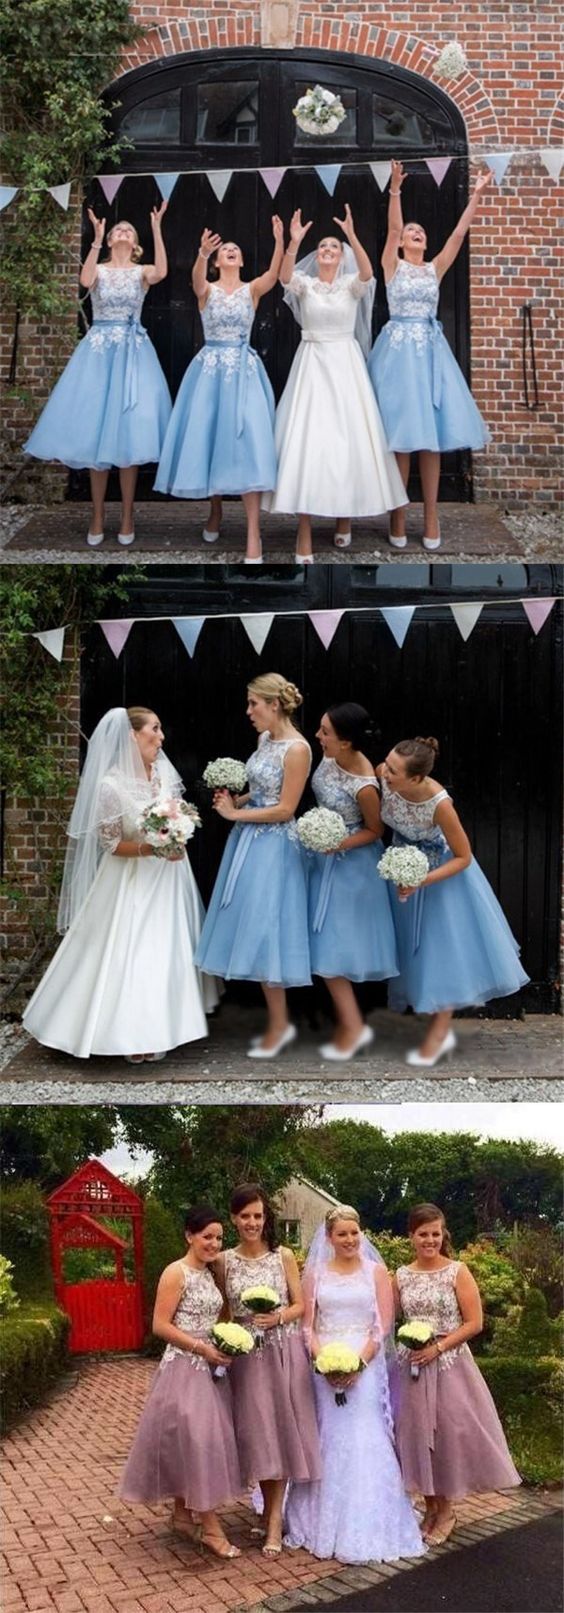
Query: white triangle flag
61, 194
381, 172
498, 161
257, 626
553, 158
53, 640
466, 617
219, 180
398, 618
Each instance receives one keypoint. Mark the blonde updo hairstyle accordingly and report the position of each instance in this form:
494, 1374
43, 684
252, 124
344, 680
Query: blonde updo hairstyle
139, 716
419, 755
273, 686
137, 249
340, 1212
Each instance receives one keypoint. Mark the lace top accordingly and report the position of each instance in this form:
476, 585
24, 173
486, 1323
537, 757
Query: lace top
414, 820
268, 1270
333, 787
118, 294
121, 801
345, 1307
198, 1308
430, 1296
228, 316
327, 309
265, 770
413, 291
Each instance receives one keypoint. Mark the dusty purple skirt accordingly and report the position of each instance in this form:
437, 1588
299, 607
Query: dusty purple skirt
185, 1443
449, 1437
274, 1412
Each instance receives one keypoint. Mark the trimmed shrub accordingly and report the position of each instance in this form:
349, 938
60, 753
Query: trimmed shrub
163, 1242
526, 1330
8, 1298
24, 1239
394, 1250
528, 1396
33, 1350
500, 1285
536, 1251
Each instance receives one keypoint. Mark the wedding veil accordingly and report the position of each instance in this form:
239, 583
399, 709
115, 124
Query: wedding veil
348, 266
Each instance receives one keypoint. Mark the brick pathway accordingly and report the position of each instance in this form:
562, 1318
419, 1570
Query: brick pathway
68, 1546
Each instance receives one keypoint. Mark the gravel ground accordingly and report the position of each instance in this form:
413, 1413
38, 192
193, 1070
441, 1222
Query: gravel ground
469, 1090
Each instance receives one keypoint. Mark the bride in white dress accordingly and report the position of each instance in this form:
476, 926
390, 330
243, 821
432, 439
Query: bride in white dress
123, 980
333, 459
358, 1511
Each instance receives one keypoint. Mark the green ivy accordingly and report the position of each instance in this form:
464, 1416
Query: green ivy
58, 56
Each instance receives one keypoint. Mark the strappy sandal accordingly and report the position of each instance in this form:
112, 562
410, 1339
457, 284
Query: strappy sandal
272, 1551
222, 1547
439, 1537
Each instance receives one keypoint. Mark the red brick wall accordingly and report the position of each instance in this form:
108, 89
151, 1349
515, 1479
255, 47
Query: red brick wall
508, 99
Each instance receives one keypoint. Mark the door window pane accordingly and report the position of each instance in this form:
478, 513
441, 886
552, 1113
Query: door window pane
345, 135
397, 124
154, 121
228, 113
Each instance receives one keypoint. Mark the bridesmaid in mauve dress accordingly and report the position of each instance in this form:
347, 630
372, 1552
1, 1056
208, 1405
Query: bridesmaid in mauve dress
185, 1443
273, 1400
449, 1437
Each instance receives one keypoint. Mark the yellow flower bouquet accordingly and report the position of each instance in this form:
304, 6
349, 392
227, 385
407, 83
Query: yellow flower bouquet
338, 1361
260, 1301
232, 1339
415, 1336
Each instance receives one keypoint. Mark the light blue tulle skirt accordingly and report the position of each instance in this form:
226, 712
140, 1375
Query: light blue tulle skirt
351, 927
420, 390
256, 924
221, 433
110, 406
455, 947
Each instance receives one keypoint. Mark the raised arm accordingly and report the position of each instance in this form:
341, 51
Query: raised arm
89, 268
265, 282
395, 222
452, 247
362, 259
154, 272
297, 232
208, 244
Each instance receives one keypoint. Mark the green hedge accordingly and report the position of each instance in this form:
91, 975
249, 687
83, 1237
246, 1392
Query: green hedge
24, 1239
528, 1396
33, 1351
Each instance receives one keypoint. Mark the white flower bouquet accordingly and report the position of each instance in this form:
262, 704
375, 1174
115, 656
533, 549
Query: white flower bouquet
226, 773
415, 1336
338, 1361
260, 1301
404, 865
451, 62
321, 829
319, 111
166, 824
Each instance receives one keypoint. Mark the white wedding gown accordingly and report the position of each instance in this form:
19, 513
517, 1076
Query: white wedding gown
333, 457
123, 979
358, 1512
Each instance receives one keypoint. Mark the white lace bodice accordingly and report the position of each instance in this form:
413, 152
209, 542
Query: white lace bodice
118, 294
121, 801
430, 1296
413, 820
413, 291
345, 1307
336, 789
198, 1309
327, 310
268, 1270
228, 316
265, 769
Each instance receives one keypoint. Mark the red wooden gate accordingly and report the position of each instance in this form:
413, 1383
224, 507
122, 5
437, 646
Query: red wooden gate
105, 1313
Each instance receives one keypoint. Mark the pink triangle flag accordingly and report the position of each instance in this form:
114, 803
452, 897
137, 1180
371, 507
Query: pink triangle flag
325, 623
537, 611
328, 173
117, 633
398, 618
438, 167
272, 178
110, 185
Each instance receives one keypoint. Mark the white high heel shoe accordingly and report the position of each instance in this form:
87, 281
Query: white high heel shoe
209, 537
342, 540
94, 539
397, 542
446, 1047
126, 538
256, 1051
304, 559
336, 1054
432, 543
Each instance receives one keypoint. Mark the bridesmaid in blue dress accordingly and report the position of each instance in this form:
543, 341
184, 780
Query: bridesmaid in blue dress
455, 947
351, 928
111, 405
221, 434
256, 925
423, 398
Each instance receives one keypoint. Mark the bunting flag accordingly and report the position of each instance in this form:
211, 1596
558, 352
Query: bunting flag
219, 180
328, 173
537, 611
53, 640
498, 161
257, 626
466, 617
438, 167
553, 158
189, 629
166, 184
117, 633
325, 623
272, 178
381, 172
7, 193
398, 618
110, 185
61, 194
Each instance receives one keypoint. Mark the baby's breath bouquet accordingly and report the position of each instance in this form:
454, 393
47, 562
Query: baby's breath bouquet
319, 111
260, 1301
338, 1361
321, 829
404, 865
452, 61
166, 825
415, 1336
226, 773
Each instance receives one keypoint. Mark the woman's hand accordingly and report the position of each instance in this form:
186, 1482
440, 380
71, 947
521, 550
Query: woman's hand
424, 1357
340, 1380
297, 229
346, 225
224, 805
482, 180
273, 1319
98, 226
215, 1358
209, 243
157, 214
407, 890
397, 175
278, 229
